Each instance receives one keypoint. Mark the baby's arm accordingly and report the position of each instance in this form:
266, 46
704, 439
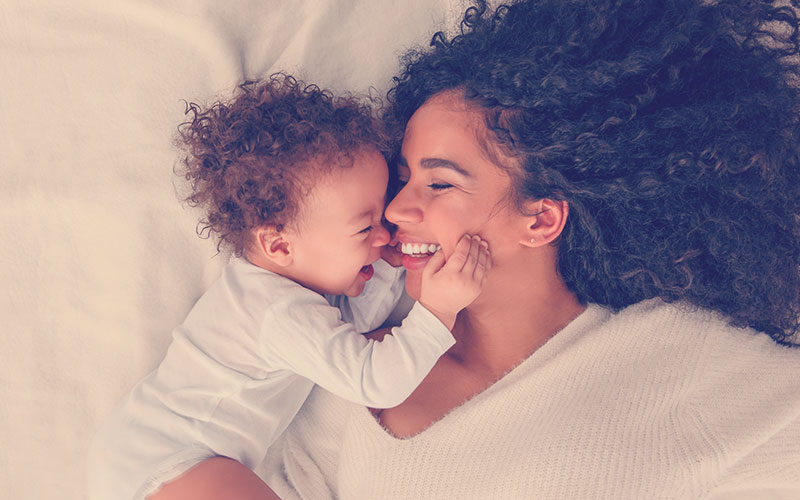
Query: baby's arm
379, 374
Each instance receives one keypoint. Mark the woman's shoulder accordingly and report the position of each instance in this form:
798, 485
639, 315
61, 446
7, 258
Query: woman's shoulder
732, 395
684, 323
710, 363
742, 391
715, 350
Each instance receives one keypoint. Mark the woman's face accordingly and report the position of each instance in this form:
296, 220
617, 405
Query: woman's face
450, 188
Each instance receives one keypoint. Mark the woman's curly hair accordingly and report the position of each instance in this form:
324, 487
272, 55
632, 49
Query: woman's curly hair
669, 126
251, 160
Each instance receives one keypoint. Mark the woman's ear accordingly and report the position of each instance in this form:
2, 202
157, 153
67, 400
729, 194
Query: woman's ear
545, 223
273, 245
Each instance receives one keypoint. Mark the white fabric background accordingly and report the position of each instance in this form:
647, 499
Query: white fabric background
98, 259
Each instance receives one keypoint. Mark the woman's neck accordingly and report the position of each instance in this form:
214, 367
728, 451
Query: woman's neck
512, 318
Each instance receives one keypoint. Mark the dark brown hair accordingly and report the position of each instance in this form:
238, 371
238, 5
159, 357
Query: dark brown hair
671, 127
249, 161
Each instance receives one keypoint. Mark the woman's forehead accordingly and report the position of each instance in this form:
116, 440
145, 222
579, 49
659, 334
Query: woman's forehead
449, 102
446, 115
447, 124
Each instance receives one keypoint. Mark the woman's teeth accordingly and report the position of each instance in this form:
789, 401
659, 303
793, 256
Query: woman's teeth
419, 248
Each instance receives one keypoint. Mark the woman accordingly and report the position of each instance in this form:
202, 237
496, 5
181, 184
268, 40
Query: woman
635, 168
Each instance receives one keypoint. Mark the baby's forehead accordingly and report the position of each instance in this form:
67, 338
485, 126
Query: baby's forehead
353, 187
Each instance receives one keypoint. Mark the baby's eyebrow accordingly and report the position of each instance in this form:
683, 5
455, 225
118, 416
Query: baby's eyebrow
431, 163
363, 215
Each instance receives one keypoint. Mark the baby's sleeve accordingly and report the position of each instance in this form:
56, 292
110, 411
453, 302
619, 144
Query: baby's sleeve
373, 306
313, 341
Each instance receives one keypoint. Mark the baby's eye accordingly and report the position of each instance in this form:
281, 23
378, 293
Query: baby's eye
366, 230
436, 186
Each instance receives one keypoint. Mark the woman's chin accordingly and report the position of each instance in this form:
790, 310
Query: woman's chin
413, 283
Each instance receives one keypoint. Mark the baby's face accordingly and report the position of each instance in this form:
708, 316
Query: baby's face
340, 233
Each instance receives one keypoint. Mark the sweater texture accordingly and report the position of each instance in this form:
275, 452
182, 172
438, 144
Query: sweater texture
658, 401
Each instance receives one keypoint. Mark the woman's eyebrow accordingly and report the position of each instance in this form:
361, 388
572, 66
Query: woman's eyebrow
431, 163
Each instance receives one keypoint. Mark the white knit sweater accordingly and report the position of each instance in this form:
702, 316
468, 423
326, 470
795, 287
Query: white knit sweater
654, 402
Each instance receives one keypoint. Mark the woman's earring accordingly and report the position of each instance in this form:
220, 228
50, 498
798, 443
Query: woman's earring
533, 240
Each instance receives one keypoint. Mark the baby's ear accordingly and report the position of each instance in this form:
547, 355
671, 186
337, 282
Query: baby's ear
274, 245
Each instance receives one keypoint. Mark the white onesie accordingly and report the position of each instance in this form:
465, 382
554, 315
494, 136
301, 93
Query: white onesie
244, 361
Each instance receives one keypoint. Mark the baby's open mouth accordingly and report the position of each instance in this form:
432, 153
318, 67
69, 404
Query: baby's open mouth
419, 249
366, 272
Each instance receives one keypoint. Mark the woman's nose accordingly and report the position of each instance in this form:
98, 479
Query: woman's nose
402, 208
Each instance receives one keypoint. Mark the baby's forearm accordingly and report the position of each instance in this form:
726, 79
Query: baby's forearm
216, 478
447, 317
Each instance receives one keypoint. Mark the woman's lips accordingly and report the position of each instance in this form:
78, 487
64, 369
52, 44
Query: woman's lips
415, 262
416, 255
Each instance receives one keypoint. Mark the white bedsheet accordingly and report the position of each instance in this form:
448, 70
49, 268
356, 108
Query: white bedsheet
98, 259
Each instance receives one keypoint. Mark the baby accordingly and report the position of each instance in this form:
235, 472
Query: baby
293, 181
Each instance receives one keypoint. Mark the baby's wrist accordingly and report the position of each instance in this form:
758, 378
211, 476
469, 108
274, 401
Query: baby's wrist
448, 319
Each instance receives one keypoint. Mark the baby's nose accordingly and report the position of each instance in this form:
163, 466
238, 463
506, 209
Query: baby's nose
382, 236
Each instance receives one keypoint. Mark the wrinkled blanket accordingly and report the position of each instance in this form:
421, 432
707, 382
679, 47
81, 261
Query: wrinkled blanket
98, 258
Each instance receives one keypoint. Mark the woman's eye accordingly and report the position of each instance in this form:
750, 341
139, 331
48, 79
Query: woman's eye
438, 186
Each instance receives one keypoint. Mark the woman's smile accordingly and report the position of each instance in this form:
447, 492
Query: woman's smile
419, 249
416, 255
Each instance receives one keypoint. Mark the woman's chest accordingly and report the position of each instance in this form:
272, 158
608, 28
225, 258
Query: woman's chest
445, 388
521, 440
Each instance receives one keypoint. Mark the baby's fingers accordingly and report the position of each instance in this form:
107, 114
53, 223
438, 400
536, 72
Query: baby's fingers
471, 264
476, 264
435, 263
460, 255
484, 262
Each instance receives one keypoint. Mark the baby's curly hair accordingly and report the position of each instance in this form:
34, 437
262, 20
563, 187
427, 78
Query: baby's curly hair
669, 126
251, 160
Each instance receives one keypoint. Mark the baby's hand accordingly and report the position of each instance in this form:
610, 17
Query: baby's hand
448, 287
